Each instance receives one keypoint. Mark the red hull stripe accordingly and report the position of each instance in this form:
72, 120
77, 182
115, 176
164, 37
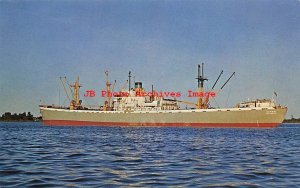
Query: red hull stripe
90, 123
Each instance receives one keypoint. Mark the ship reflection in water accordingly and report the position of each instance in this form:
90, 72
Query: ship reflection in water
39, 156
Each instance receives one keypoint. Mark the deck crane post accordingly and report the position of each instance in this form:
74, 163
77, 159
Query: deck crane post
107, 103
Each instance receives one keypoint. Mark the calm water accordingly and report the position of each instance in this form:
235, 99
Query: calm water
33, 155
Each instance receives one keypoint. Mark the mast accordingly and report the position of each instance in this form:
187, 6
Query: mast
152, 94
76, 91
202, 81
129, 81
198, 78
107, 103
75, 103
200, 102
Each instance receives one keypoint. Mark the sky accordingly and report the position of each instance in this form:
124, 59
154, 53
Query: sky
160, 42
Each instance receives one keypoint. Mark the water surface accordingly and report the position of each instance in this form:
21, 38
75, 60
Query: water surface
33, 155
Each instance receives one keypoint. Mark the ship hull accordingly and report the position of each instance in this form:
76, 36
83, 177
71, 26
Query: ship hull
223, 118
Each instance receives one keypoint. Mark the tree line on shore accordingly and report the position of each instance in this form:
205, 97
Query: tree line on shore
8, 116
292, 120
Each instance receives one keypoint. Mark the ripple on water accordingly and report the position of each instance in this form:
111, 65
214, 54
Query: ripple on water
10, 172
40, 156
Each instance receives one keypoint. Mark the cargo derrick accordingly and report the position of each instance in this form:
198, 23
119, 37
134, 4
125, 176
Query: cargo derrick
107, 103
75, 103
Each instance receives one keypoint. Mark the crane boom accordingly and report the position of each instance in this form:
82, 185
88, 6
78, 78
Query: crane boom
217, 80
62, 83
228, 80
69, 85
123, 86
113, 88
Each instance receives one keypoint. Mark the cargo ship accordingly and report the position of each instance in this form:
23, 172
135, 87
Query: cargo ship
130, 107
